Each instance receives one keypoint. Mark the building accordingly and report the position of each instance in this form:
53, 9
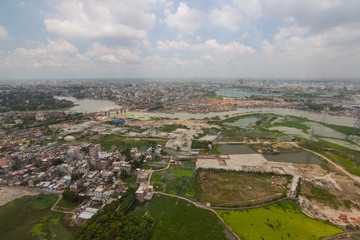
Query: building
94, 150
88, 213
140, 193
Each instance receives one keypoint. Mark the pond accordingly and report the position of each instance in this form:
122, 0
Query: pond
243, 122
295, 157
236, 149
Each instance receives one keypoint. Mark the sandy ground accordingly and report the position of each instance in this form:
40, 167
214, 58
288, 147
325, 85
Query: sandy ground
341, 185
8, 194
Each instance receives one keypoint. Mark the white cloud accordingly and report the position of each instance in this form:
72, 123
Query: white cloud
186, 20
56, 53
101, 19
169, 45
318, 15
113, 54
235, 15
3, 32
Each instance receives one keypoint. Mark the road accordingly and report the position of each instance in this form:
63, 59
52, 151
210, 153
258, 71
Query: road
339, 167
158, 170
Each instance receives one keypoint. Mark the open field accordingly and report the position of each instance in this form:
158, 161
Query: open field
175, 178
346, 157
228, 189
30, 218
320, 195
181, 221
282, 220
67, 204
127, 143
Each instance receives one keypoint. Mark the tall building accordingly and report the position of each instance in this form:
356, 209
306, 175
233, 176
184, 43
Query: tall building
94, 150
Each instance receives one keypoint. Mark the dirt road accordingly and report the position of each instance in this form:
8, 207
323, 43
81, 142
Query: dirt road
339, 167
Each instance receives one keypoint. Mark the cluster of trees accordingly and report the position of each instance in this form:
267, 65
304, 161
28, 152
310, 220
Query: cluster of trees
28, 101
321, 106
71, 196
197, 144
114, 222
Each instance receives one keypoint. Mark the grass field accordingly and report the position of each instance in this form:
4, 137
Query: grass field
175, 178
127, 143
182, 221
30, 218
238, 189
67, 204
283, 220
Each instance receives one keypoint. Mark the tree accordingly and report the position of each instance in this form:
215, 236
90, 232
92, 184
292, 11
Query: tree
123, 174
110, 179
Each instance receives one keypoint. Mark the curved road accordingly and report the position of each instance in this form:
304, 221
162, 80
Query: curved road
341, 168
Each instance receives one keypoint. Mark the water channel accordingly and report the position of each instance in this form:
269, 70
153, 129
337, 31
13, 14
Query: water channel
91, 105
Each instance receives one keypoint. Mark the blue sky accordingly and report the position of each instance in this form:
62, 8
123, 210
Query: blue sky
179, 39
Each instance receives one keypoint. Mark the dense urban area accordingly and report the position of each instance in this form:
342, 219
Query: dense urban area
180, 159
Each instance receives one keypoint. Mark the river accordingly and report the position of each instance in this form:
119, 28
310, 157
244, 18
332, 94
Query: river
92, 105
89, 105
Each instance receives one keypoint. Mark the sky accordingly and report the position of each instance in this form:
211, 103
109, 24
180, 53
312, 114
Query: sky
60, 39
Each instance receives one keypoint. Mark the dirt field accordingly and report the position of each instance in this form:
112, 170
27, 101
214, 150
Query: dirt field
239, 189
8, 194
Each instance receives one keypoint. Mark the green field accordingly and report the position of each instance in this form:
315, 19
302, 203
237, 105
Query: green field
30, 218
181, 221
125, 144
67, 204
283, 220
175, 178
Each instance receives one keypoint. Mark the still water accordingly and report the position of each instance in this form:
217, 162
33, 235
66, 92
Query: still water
237, 149
295, 157
90, 105
243, 123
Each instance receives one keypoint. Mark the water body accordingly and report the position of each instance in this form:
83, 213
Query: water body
295, 157
314, 116
243, 122
242, 94
236, 149
90, 105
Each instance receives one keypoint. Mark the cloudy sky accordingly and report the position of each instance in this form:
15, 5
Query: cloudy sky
161, 38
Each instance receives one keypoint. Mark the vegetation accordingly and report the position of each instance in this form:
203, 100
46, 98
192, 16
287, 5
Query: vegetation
23, 100
114, 223
171, 128
175, 179
50, 227
233, 189
72, 196
30, 218
202, 144
181, 221
277, 221
320, 195
293, 122
344, 156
